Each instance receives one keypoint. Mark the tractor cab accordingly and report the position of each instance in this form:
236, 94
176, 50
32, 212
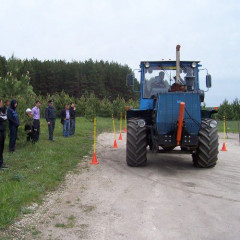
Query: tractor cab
160, 77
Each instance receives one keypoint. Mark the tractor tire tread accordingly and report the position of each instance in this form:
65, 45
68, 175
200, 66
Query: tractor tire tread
206, 155
136, 154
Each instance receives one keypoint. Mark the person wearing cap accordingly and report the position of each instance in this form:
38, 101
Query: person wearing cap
36, 121
13, 120
50, 116
3, 119
29, 125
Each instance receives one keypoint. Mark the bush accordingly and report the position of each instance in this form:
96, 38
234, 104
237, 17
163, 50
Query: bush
105, 108
229, 110
60, 100
133, 104
92, 107
119, 106
81, 106
13, 84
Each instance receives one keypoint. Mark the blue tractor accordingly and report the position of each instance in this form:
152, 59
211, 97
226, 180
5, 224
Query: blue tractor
170, 114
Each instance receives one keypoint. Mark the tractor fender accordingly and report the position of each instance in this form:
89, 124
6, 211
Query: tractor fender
141, 114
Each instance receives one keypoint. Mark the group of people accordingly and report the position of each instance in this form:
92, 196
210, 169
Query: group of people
9, 113
68, 116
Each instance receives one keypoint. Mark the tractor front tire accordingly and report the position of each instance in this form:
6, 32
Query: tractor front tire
136, 144
206, 154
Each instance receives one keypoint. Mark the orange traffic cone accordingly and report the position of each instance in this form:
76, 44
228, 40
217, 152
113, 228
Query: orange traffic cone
115, 144
224, 147
94, 159
125, 129
120, 137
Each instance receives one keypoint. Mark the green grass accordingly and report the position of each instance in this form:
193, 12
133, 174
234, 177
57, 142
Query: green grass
38, 168
60, 225
231, 126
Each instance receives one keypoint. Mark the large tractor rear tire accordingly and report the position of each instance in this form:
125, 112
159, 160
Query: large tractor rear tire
136, 144
206, 154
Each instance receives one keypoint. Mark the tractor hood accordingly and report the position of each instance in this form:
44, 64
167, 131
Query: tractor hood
168, 111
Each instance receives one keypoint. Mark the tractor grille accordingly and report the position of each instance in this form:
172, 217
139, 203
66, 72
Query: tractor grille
168, 112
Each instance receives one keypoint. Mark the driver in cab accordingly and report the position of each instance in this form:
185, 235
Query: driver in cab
159, 86
159, 81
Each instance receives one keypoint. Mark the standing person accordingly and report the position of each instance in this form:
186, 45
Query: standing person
65, 120
5, 107
12, 116
50, 116
29, 125
3, 119
36, 121
72, 119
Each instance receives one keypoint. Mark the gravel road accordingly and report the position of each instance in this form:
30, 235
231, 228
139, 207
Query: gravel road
167, 199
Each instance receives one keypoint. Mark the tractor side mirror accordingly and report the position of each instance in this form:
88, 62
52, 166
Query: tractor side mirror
208, 81
129, 80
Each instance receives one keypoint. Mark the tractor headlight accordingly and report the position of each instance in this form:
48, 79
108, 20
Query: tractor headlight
194, 64
213, 124
141, 123
147, 65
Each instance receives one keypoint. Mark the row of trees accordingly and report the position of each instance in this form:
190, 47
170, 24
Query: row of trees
231, 110
104, 79
15, 86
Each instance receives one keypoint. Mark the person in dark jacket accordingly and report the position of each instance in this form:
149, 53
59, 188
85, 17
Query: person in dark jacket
29, 125
12, 116
50, 116
72, 119
3, 119
5, 107
65, 120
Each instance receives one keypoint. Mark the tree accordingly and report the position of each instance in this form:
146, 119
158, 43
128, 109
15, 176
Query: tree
236, 109
12, 84
226, 110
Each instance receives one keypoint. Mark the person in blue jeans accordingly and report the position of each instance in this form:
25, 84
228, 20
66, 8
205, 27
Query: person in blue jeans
65, 120
12, 116
72, 119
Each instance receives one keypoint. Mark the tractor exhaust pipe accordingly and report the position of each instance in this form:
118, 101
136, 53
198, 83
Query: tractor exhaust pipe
178, 64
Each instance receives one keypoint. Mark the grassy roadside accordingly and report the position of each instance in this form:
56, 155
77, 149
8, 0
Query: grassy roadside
36, 169
231, 126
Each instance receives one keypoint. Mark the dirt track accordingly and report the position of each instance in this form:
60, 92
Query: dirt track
167, 199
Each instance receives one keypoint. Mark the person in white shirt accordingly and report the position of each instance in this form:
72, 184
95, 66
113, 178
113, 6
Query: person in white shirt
36, 121
65, 120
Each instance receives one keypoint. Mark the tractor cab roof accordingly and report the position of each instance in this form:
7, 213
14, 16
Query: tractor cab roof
167, 62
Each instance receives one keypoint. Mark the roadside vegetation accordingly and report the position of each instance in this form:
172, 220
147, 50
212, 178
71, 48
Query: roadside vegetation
36, 169
231, 110
231, 126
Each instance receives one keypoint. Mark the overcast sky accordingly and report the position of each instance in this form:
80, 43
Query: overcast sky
128, 32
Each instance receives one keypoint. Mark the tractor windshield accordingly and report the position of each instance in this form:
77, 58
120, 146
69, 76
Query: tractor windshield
158, 79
